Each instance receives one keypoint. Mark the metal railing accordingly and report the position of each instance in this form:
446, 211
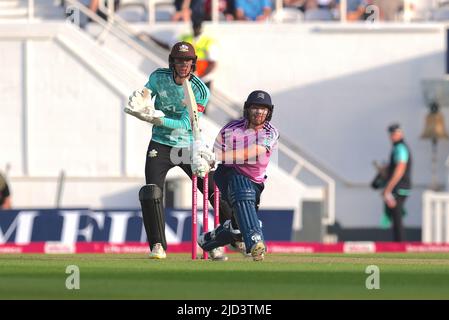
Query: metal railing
119, 30
435, 217
30, 10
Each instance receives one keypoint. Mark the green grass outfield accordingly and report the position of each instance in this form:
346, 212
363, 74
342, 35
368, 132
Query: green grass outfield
280, 276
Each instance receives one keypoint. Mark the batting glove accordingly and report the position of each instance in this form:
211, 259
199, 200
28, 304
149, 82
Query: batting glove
200, 149
200, 167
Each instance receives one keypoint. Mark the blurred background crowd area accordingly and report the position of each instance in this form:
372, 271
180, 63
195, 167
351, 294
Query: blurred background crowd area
279, 10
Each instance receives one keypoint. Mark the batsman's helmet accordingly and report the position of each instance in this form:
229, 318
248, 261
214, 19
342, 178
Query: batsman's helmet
182, 50
258, 97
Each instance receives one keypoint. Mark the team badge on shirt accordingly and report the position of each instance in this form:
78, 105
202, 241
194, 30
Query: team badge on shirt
152, 153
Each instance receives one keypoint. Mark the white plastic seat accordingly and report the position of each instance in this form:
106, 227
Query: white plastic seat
287, 15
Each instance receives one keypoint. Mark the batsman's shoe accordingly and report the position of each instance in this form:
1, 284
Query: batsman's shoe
258, 251
158, 252
239, 246
217, 254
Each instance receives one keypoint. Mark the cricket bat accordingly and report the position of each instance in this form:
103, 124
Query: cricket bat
190, 101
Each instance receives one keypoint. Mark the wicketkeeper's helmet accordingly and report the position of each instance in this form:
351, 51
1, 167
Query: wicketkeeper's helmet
258, 97
182, 50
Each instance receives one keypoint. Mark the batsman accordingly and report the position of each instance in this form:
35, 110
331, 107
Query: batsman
244, 148
172, 140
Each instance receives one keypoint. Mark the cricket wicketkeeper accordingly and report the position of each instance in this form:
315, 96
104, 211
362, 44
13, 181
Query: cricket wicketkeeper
244, 148
171, 139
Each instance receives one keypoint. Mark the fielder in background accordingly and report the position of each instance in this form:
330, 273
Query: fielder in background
171, 140
244, 148
398, 183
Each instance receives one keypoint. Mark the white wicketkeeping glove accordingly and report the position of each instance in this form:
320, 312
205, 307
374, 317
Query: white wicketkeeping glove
140, 101
141, 107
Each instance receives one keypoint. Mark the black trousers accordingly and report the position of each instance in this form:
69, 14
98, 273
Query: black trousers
161, 158
396, 216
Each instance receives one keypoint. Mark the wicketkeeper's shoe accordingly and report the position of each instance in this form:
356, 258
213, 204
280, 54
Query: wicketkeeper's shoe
217, 254
202, 239
258, 251
158, 252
